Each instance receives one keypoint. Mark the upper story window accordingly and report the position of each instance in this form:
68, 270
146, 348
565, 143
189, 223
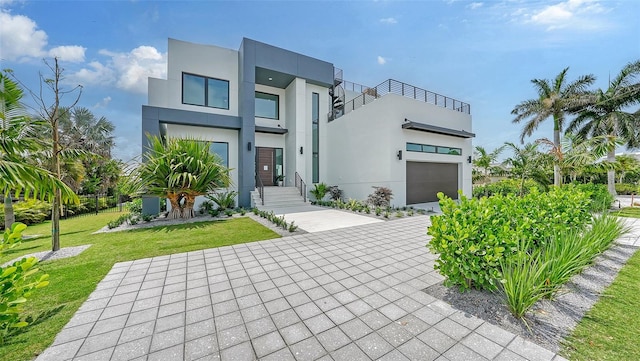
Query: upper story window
426, 148
267, 105
203, 91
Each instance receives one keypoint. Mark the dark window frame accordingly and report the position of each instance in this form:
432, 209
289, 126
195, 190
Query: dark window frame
438, 149
206, 91
277, 105
315, 153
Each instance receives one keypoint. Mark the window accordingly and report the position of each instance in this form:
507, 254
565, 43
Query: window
203, 91
221, 150
425, 148
267, 105
315, 137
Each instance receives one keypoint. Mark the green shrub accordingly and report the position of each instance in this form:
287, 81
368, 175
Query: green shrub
206, 207
335, 193
504, 187
472, 237
118, 221
224, 200
135, 206
601, 199
29, 211
319, 191
17, 283
626, 188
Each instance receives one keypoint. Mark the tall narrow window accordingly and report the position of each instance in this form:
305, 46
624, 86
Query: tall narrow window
315, 138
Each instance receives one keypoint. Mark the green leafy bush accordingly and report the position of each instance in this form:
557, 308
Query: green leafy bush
319, 191
504, 187
118, 221
626, 188
135, 206
224, 200
17, 283
601, 199
29, 211
472, 237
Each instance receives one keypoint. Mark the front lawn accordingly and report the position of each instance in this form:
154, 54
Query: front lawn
632, 212
73, 279
610, 330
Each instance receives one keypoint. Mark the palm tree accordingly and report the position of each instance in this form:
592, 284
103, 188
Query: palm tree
607, 114
526, 163
626, 165
80, 129
484, 159
17, 140
555, 99
180, 170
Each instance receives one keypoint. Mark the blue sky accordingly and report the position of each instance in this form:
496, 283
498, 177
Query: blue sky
484, 53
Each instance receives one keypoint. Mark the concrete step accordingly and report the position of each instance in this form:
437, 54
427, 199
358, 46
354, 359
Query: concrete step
275, 197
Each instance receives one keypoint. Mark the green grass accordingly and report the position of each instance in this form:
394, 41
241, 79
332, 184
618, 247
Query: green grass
632, 212
73, 279
609, 331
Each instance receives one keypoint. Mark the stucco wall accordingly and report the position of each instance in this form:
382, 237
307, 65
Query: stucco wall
364, 145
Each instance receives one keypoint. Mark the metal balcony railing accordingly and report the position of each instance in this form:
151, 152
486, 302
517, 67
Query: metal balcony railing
396, 87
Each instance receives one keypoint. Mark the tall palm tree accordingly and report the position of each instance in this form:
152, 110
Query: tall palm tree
80, 129
555, 99
180, 170
607, 114
18, 138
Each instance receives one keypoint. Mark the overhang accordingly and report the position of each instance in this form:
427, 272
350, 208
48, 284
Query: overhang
271, 130
435, 129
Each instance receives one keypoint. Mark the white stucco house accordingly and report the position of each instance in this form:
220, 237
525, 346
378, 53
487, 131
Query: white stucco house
271, 112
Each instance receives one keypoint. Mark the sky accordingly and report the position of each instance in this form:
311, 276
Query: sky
484, 53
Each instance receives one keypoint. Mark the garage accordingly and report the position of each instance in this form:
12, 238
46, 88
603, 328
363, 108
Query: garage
425, 180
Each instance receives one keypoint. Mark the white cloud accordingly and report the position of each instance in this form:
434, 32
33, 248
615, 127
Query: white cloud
128, 71
20, 37
20, 40
381, 60
389, 20
103, 103
71, 53
576, 14
474, 6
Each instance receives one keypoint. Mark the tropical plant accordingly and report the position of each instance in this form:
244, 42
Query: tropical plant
527, 163
335, 193
607, 115
180, 169
485, 160
319, 191
224, 200
555, 99
626, 165
17, 141
381, 197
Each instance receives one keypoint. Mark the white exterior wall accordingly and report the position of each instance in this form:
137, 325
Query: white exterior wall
205, 60
229, 136
364, 144
296, 109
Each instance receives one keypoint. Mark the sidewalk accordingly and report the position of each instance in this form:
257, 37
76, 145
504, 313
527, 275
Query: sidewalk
345, 294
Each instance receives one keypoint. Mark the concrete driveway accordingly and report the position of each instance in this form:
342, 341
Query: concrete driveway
345, 294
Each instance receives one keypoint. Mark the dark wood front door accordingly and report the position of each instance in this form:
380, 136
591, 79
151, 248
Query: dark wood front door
265, 163
425, 180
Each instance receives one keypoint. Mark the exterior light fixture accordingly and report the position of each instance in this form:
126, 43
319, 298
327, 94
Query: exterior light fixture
249, 146
399, 155
469, 159
270, 78
301, 150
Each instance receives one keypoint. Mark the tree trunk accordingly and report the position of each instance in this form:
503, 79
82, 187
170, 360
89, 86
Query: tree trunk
557, 176
188, 211
9, 216
57, 203
176, 211
611, 173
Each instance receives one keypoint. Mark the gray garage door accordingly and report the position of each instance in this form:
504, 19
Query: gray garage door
425, 180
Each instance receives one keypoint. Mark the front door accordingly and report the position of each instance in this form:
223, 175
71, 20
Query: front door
265, 162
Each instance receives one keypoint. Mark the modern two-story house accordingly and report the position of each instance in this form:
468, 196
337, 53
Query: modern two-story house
271, 113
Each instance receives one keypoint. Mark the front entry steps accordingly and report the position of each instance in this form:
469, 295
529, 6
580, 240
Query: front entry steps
278, 197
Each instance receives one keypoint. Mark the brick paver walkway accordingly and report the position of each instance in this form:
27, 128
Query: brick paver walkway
347, 294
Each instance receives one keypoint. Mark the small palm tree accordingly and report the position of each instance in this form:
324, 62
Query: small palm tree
485, 160
626, 165
180, 170
527, 163
555, 99
607, 114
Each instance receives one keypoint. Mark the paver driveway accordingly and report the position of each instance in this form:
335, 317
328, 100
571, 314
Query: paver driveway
346, 294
